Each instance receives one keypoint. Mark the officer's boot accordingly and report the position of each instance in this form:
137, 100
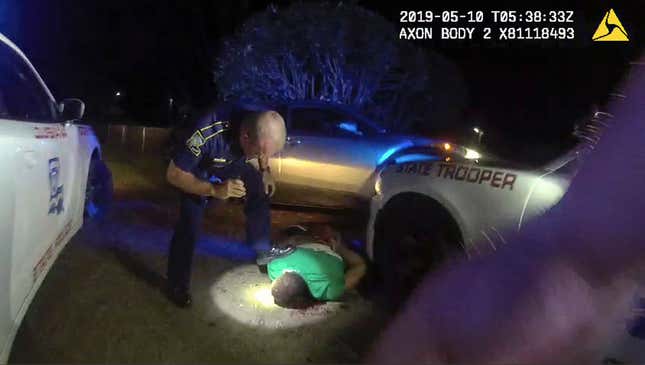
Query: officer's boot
179, 296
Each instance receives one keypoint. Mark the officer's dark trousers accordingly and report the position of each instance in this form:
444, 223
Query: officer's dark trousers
258, 222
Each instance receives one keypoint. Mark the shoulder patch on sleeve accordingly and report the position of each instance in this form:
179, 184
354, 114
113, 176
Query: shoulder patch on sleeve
213, 129
217, 125
195, 143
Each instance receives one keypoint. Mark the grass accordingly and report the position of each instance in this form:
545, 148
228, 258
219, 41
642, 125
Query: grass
134, 173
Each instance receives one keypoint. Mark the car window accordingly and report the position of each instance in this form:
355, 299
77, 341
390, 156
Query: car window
326, 122
21, 95
311, 120
349, 126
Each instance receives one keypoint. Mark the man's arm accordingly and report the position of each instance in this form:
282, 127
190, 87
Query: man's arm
356, 267
188, 183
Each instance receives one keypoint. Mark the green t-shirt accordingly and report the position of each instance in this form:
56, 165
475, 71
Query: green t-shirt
322, 269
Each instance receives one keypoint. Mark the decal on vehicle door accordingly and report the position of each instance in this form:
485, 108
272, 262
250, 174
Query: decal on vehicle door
55, 187
499, 179
49, 132
45, 259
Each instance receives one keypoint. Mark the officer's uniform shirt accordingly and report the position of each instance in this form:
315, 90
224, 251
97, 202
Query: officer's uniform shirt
212, 145
212, 149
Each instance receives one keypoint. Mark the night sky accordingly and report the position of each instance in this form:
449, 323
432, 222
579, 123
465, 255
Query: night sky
155, 50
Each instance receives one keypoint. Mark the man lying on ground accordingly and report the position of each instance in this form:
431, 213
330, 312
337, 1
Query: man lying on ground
320, 268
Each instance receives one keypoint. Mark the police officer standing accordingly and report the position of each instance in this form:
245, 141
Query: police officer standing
223, 159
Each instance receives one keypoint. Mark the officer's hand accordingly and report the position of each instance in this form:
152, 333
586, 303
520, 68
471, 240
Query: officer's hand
269, 183
229, 189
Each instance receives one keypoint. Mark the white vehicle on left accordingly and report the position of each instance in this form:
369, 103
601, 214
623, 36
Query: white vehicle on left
51, 179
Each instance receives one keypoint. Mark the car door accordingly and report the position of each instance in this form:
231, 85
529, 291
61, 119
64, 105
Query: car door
32, 198
327, 159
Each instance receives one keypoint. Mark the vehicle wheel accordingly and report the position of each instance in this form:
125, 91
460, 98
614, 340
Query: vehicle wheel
98, 192
412, 241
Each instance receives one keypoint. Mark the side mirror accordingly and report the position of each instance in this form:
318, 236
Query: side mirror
476, 136
71, 110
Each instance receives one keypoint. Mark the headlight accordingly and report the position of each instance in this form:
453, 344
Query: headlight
472, 154
378, 184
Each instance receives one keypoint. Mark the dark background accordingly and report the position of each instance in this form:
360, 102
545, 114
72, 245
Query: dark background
152, 51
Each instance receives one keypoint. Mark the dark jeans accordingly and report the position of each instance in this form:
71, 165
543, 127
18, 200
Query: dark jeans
256, 209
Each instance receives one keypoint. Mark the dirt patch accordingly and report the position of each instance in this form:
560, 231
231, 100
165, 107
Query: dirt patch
244, 294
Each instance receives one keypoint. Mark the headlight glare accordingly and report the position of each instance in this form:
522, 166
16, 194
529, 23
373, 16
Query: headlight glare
378, 185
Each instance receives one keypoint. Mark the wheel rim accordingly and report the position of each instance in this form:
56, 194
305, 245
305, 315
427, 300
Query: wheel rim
92, 209
408, 247
413, 259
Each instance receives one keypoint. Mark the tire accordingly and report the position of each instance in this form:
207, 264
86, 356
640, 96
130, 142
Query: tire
98, 191
413, 238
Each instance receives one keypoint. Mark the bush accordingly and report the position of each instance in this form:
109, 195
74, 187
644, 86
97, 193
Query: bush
333, 53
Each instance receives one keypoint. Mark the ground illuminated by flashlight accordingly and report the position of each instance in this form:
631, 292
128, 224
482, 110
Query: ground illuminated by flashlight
244, 293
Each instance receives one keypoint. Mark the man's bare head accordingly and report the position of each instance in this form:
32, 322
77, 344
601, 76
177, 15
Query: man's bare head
263, 134
290, 290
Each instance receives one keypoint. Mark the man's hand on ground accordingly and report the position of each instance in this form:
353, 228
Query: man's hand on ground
229, 189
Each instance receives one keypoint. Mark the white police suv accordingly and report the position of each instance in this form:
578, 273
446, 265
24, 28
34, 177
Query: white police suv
51, 176
432, 204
